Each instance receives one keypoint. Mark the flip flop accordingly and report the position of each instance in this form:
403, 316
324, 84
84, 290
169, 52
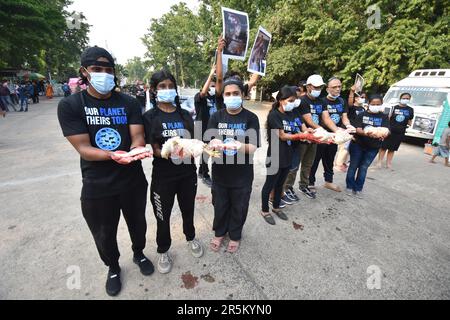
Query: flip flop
233, 246
216, 243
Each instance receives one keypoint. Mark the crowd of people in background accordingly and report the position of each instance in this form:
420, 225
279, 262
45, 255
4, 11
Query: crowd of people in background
17, 95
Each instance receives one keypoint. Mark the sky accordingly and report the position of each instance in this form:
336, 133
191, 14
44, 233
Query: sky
119, 25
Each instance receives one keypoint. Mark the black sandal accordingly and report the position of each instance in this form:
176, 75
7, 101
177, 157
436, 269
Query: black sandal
280, 214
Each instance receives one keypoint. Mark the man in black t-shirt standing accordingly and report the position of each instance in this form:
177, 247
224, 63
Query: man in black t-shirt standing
334, 117
101, 123
311, 109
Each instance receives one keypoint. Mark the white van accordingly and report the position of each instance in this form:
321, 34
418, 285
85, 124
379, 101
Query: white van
429, 89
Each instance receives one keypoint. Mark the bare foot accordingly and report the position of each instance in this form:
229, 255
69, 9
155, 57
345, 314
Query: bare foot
333, 187
431, 161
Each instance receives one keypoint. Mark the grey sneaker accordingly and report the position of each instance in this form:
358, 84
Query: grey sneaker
196, 248
349, 192
359, 194
165, 263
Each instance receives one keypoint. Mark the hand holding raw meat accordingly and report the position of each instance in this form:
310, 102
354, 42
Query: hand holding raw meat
350, 129
219, 145
136, 154
323, 135
342, 136
376, 132
231, 144
177, 147
306, 136
187, 148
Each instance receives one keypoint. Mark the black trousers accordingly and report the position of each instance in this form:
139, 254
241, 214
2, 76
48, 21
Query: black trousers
326, 153
162, 196
103, 215
230, 210
274, 182
203, 168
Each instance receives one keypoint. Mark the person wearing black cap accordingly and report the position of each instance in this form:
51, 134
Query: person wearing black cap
100, 123
232, 173
206, 105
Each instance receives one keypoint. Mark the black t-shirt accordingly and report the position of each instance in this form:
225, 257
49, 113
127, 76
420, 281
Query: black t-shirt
287, 122
353, 112
367, 119
400, 117
336, 109
160, 126
205, 107
107, 122
314, 107
234, 169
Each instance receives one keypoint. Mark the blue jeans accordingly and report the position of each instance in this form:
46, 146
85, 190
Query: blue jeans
23, 101
6, 100
360, 161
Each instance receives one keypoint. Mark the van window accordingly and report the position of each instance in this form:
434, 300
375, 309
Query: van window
419, 97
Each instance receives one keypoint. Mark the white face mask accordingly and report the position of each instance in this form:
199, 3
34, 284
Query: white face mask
376, 109
404, 101
297, 103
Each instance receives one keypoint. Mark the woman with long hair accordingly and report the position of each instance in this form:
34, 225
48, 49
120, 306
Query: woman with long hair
171, 177
283, 125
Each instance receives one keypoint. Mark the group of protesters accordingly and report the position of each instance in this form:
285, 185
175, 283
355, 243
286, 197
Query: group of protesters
112, 136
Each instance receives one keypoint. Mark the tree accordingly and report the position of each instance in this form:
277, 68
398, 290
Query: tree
329, 37
173, 43
35, 35
136, 69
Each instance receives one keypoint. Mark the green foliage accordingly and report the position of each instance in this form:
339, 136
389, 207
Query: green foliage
34, 34
136, 69
329, 37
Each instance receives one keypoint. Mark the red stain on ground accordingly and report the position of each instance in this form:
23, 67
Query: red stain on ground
298, 226
189, 280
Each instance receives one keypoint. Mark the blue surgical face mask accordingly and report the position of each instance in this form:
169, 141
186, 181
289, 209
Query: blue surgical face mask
233, 102
404, 101
102, 82
334, 97
297, 103
166, 96
315, 93
288, 107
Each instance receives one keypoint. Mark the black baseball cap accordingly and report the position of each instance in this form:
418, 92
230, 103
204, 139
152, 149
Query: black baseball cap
90, 56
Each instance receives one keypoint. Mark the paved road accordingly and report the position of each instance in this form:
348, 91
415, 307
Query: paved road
401, 229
